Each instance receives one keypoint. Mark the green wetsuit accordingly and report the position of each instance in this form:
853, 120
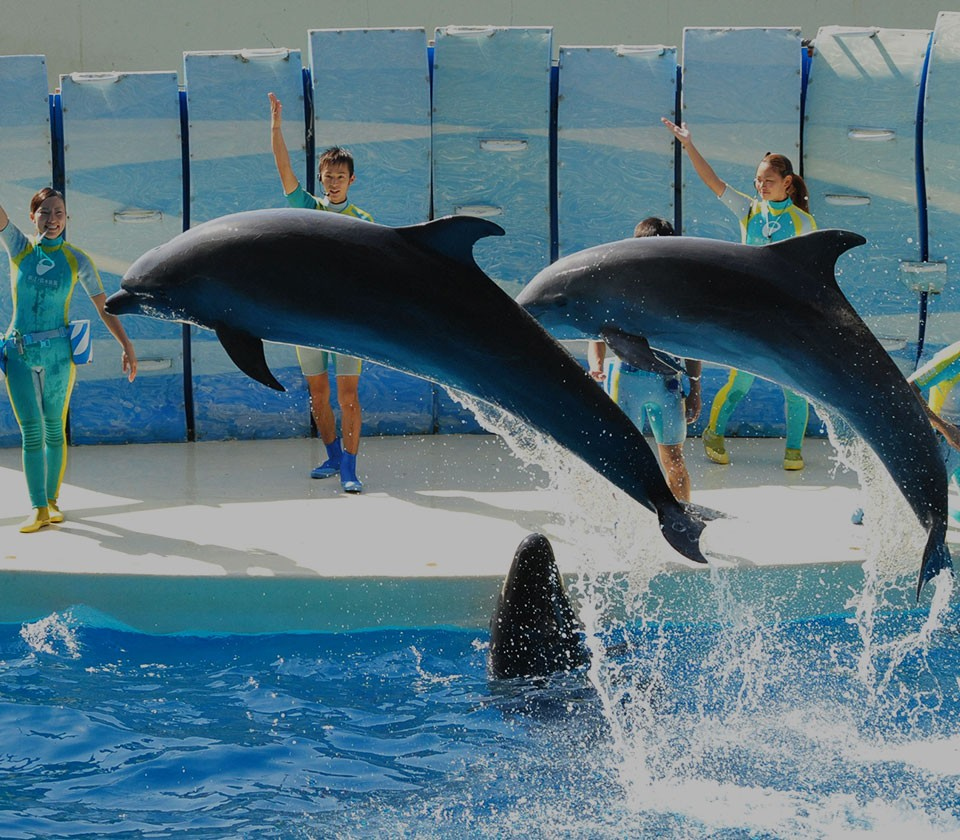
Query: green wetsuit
940, 377
760, 224
40, 369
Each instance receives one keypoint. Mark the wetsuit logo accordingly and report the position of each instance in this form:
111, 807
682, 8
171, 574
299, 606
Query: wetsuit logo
44, 264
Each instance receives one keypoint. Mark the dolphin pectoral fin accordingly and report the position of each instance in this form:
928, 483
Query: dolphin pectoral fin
246, 352
635, 350
936, 558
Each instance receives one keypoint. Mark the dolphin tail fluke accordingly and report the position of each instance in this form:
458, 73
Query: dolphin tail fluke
704, 514
246, 351
682, 526
936, 558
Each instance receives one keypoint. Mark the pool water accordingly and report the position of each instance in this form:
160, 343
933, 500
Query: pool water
824, 727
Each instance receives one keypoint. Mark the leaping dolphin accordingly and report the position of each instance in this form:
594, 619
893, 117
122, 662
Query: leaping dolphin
534, 631
411, 298
775, 311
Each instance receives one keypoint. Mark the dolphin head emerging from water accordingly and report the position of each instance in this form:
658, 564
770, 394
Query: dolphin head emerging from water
534, 631
775, 311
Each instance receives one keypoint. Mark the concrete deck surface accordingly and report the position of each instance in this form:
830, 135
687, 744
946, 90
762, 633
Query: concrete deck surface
179, 530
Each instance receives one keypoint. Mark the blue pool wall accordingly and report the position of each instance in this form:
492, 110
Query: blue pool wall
562, 147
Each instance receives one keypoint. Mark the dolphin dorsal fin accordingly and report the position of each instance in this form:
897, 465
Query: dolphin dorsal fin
819, 249
452, 236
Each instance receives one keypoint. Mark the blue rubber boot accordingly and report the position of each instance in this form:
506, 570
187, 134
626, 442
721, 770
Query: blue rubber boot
348, 474
332, 465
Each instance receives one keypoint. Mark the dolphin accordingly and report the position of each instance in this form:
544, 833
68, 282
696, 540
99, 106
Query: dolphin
411, 298
774, 310
534, 631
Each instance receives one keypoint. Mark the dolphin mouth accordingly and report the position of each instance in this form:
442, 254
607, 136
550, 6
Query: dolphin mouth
124, 303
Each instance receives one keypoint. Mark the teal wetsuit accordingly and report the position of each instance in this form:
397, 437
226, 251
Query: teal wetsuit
940, 376
313, 361
760, 224
40, 369
655, 396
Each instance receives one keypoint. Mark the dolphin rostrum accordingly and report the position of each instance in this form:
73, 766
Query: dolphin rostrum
775, 311
411, 298
534, 631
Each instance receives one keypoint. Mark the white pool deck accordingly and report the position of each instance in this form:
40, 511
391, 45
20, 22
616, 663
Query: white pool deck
236, 537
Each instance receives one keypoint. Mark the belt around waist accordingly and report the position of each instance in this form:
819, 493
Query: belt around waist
44, 335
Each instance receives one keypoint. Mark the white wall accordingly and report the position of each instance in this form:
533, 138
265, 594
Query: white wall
126, 35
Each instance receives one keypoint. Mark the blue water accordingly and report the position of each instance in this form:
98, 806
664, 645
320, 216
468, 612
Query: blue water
733, 730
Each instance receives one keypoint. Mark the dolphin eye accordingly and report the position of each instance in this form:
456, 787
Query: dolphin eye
560, 301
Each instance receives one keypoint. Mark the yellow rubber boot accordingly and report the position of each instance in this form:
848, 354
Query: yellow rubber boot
792, 460
713, 447
39, 518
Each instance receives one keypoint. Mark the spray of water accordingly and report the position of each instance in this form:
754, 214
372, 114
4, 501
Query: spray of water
895, 541
55, 635
752, 719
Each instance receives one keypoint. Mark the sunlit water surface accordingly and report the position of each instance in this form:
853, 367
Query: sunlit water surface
697, 730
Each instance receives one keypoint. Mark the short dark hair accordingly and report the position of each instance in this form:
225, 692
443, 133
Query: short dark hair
335, 155
654, 226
